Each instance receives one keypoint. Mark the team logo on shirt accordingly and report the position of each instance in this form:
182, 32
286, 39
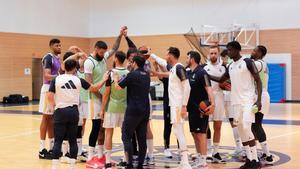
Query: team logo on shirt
69, 85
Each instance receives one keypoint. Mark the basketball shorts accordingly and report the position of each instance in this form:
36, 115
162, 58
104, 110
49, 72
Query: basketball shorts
265, 102
219, 112
44, 104
113, 120
83, 112
176, 115
198, 123
94, 108
243, 113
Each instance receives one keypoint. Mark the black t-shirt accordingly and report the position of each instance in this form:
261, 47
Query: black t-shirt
165, 82
198, 79
138, 86
47, 61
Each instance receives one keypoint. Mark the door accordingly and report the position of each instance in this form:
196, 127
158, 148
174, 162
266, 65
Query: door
37, 78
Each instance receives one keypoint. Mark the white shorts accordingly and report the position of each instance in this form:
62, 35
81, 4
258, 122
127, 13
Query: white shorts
151, 110
243, 113
265, 102
44, 105
83, 112
94, 108
228, 110
176, 114
113, 120
219, 112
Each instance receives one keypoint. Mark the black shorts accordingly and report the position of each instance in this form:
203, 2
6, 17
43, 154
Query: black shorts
198, 123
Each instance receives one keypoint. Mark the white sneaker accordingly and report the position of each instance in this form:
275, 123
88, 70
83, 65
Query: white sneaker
82, 157
168, 153
203, 166
65, 159
186, 166
195, 165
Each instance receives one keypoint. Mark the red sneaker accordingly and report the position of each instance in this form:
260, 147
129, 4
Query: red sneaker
102, 160
94, 163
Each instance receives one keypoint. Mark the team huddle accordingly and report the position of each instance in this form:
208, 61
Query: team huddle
81, 87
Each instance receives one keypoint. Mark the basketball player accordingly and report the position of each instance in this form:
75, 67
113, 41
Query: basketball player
64, 96
228, 109
137, 111
179, 91
113, 105
51, 67
244, 75
214, 67
94, 69
201, 90
257, 55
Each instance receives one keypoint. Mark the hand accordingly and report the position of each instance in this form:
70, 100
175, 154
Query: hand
183, 112
105, 76
102, 115
123, 28
210, 109
258, 104
125, 33
50, 109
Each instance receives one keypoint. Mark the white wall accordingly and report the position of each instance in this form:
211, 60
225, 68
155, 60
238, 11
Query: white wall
147, 17
52, 17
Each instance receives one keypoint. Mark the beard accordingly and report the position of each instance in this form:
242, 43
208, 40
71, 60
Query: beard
99, 58
214, 60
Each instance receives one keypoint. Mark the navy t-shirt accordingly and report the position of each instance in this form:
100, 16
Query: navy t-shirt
198, 79
138, 87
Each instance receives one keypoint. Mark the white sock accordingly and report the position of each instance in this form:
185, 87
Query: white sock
72, 163
265, 148
42, 144
216, 148
184, 157
202, 159
150, 147
237, 138
91, 153
64, 147
248, 152
100, 151
51, 143
254, 153
209, 144
108, 156
79, 144
54, 163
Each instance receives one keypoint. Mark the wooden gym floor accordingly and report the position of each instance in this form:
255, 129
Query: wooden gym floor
19, 139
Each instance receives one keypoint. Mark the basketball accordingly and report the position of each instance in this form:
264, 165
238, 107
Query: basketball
203, 105
225, 86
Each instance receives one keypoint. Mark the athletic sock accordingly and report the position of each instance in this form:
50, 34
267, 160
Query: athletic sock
42, 144
54, 163
72, 163
216, 148
237, 138
209, 144
254, 153
108, 156
150, 147
184, 157
100, 151
79, 144
91, 152
51, 143
64, 147
248, 152
265, 148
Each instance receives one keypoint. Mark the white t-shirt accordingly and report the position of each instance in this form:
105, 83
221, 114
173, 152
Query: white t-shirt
215, 70
67, 90
179, 86
242, 82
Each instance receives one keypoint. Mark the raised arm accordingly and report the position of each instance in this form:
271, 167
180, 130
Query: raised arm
162, 62
115, 46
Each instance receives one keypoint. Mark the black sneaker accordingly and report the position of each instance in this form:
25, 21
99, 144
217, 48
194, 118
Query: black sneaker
129, 166
269, 160
109, 166
254, 165
247, 164
209, 159
44, 154
122, 164
218, 159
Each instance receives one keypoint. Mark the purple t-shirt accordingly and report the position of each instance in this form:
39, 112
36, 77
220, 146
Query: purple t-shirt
51, 62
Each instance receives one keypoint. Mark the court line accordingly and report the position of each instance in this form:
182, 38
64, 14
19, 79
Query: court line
19, 134
287, 134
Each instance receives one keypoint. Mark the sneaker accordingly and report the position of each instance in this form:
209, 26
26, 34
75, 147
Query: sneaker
254, 165
267, 159
184, 166
247, 165
94, 163
108, 166
168, 153
82, 157
65, 158
122, 164
218, 159
44, 154
135, 158
102, 160
129, 166
203, 166
209, 159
